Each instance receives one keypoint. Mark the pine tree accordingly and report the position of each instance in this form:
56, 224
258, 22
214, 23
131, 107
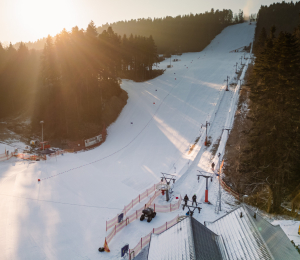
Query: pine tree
260, 43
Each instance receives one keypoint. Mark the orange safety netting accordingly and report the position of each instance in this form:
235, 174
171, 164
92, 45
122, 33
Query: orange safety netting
5, 156
146, 239
229, 190
32, 157
112, 222
135, 215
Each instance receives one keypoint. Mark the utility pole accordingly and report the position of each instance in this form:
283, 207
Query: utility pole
42, 122
236, 65
206, 124
227, 83
207, 177
218, 204
168, 180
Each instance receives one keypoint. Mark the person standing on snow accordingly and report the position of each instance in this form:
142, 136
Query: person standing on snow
194, 200
213, 166
186, 198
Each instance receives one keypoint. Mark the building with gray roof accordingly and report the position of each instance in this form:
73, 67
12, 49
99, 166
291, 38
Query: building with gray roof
275, 238
188, 239
240, 234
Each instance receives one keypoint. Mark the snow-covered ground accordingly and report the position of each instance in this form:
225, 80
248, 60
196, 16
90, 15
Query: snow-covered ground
63, 216
290, 227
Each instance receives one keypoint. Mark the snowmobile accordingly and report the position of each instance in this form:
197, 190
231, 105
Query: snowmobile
148, 213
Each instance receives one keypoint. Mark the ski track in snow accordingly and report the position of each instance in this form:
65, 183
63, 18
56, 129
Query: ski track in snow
64, 217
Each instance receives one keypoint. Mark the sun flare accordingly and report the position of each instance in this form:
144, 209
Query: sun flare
45, 17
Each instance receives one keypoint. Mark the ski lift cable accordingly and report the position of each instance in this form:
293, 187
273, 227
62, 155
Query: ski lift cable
58, 202
105, 157
181, 153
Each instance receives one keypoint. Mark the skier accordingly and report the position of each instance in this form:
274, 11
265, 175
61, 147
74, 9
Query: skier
194, 200
186, 198
213, 166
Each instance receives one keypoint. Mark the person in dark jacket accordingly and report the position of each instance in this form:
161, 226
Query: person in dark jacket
194, 200
213, 166
186, 199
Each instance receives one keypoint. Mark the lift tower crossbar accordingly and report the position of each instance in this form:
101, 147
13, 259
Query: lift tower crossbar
168, 181
207, 177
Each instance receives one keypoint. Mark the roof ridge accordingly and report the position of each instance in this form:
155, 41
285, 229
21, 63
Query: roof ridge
205, 227
192, 235
249, 209
222, 244
257, 231
211, 222
276, 228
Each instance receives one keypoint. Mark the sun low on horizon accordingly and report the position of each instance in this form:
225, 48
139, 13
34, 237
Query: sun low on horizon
30, 20
44, 17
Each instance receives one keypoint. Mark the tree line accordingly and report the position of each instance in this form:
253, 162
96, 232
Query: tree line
269, 161
73, 84
18, 78
80, 75
272, 157
187, 33
284, 15
183, 33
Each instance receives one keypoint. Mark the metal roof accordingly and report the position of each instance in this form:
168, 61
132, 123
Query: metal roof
174, 243
235, 236
241, 238
143, 255
207, 244
275, 238
188, 239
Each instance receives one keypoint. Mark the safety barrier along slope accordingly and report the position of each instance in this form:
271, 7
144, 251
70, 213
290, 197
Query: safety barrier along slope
135, 215
146, 239
114, 221
5, 156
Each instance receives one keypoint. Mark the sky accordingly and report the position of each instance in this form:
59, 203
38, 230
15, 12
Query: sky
29, 20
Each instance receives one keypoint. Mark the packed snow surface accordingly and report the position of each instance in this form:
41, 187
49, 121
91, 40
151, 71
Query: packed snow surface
64, 215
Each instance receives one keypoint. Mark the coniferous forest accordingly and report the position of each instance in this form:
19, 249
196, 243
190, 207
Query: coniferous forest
73, 84
187, 33
285, 16
269, 164
183, 33
18, 77
80, 75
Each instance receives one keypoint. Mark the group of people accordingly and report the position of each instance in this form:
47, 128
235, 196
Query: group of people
194, 198
186, 199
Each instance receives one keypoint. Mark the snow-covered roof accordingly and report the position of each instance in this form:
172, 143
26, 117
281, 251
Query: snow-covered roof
236, 235
275, 238
187, 240
249, 237
143, 255
241, 237
174, 243
207, 244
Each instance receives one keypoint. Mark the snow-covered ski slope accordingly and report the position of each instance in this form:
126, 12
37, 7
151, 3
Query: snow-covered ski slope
63, 216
